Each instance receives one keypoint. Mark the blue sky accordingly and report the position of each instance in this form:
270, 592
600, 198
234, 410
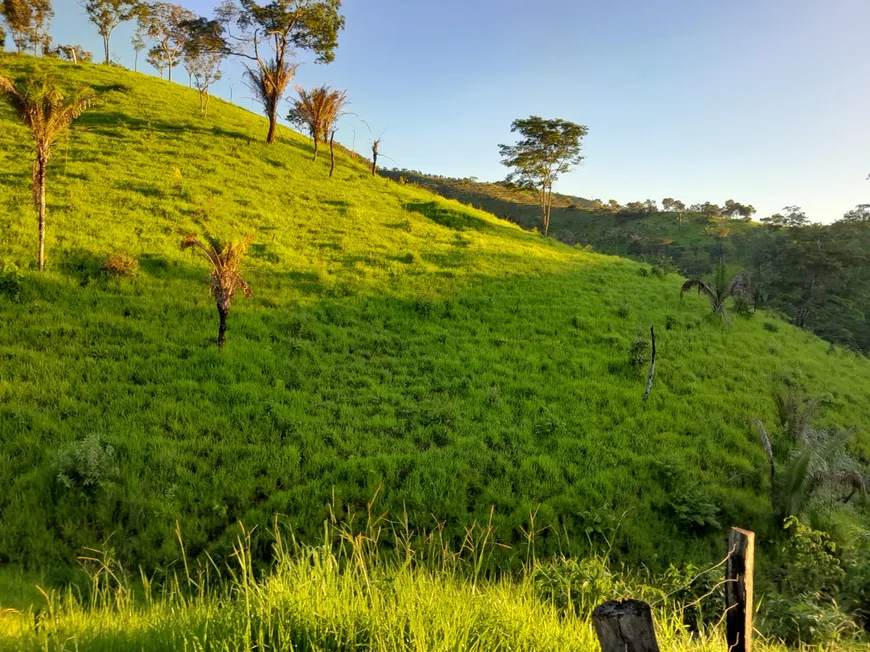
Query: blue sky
761, 101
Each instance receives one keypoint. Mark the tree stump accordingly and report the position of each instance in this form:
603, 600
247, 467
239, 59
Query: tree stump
625, 626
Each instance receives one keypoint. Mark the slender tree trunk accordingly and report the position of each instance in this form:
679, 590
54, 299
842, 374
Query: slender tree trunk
331, 154
170, 71
316, 146
273, 123
39, 192
136, 62
222, 328
106, 48
374, 163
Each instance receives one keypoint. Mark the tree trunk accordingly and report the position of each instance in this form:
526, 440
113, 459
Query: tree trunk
39, 193
273, 124
316, 147
106, 48
222, 328
331, 154
374, 163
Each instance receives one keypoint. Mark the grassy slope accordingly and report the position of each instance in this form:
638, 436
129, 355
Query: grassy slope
395, 339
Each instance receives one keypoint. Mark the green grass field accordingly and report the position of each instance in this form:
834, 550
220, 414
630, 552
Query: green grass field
395, 340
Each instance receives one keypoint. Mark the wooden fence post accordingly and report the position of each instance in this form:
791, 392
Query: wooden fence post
738, 590
625, 626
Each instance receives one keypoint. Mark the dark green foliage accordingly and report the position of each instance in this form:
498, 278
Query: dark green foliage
11, 282
771, 327
639, 351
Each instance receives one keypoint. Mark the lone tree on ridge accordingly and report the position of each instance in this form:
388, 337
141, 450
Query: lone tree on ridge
548, 149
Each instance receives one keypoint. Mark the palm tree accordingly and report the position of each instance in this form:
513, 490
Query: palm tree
318, 110
43, 108
806, 460
720, 290
225, 261
268, 82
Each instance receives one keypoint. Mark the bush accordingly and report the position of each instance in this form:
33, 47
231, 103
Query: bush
803, 620
771, 327
743, 307
670, 322
639, 351
120, 264
87, 465
11, 282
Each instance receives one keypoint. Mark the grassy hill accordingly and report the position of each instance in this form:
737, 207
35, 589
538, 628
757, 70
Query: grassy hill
396, 339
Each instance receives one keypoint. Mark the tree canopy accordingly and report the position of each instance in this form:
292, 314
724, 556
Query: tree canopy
547, 149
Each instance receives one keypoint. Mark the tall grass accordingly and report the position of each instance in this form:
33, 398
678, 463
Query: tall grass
371, 588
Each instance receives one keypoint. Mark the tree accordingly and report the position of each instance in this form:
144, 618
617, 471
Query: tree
225, 261
318, 111
548, 149
735, 209
792, 216
48, 114
138, 43
107, 15
670, 205
204, 56
285, 25
858, 215
167, 25
28, 22
805, 461
721, 289
74, 53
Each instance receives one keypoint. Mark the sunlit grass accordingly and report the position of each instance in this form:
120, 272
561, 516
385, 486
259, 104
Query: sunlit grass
394, 339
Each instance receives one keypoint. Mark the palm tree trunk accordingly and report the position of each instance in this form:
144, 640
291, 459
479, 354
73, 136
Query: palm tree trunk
273, 123
39, 194
331, 154
222, 328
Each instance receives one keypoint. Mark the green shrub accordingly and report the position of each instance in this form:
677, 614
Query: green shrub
87, 465
11, 282
639, 351
670, 322
743, 307
771, 327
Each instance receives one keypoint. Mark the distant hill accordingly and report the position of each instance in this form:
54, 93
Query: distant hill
395, 340
817, 276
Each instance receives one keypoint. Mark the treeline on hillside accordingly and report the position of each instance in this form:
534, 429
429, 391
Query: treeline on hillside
817, 275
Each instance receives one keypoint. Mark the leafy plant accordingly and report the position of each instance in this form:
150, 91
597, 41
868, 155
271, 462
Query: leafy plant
720, 290
318, 110
11, 282
225, 280
87, 465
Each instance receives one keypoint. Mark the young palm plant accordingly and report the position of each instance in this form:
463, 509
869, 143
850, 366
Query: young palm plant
225, 260
318, 110
807, 462
268, 82
48, 115
720, 290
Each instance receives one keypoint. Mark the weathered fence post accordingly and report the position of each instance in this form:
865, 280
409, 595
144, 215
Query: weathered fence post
625, 626
738, 590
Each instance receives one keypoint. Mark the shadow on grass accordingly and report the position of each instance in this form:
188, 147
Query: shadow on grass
447, 217
110, 123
